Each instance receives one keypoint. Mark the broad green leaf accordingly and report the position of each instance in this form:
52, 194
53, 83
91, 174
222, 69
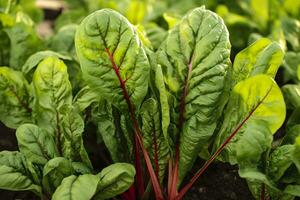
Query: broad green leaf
155, 34
280, 160
292, 7
114, 180
23, 43
15, 98
72, 126
255, 141
63, 40
109, 127
296, 154
84, 98
55, 171
194, 60
82, 187
171, 20
293, 190
52, 90
155, 142
81, 168
35, 144
136, 11
291, 95
291, 134
112, 58
260, 12
13, 173
259, 96
33, 61
261, 57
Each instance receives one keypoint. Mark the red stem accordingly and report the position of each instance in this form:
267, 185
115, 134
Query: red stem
219, 150
173, 190
138, 140
262, 193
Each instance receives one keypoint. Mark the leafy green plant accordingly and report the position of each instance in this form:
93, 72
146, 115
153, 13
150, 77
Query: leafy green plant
179, 101
52, 159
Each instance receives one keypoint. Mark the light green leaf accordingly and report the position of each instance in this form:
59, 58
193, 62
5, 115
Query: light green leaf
82, 187
258, 95
261, 57
55, 171
194, 60
33, 61
52, 90
114, 180
72, 126
155, 142
15, 98
293, 190
255, 140
112, 58
36, 145
84, 98
291, 29
13, 173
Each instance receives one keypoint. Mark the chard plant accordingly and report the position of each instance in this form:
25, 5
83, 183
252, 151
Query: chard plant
160, 110
157, 109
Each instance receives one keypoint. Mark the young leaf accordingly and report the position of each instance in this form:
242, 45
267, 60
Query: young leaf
194, 59
112, 58
15, 98
82, 187
260, 93
72, 126
13, 173
33, 61
261, 57
84, 98
114, 180
53, 90
36, 145
153, 138
55, 171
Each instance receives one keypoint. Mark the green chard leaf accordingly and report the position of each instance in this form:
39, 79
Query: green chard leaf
291, 95
194, 60
111, 181
112, 58
114, 180
153, 138
13, 173
291, 65
255, 99
36, 144
72, 126
15, 98
55, 171
261, 57
53, 90
81, 187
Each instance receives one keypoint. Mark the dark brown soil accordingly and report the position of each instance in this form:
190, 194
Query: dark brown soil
220, 182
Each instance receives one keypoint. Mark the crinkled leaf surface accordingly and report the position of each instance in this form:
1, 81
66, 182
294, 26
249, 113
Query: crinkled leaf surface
112, 58
13, 173
72, 126
53, 90
15, 98
194, 60
35, 143
81, 187
262, 57
55, 171
114, 180
258, 95
153, 138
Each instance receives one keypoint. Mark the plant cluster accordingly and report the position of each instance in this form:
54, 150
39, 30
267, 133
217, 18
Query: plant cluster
161, 90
